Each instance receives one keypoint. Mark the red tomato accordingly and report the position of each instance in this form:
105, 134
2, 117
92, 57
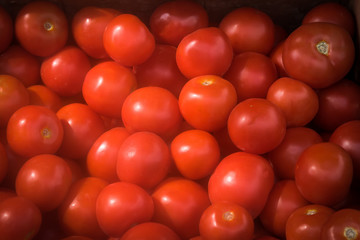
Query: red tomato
82, 126
102, 157
88, 26
143, 159
344, 224
6, 29
41, 27
183, 15
242, 178
256, 125
196, 153
19, 63
206, 51
297, 100
150, 231
77, 211
64, 72
121, 205
306, 222
40, 129
252, 74
116, 40
4, 162
19, 219
44, 96
13, 95
276, 56
285, 156
324, 173
225, 220
249, 29
45, 180
283, 199
206, 101
318, 54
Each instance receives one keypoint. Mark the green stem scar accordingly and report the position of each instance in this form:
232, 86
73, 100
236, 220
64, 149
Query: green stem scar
48, 26
323, 47
228, 216
350, 233
45, 132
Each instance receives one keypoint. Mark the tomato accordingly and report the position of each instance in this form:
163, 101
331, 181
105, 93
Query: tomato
324, 51
6, 29
116, 40
19, 63
64, 72
152, 109
306, 222
150, 231
196, 153
34, 130
343, 224
102, 157
41, 27
13, 95
324, 173
19, 218
44, 96
4, 162
252, 74
276, 56
206, 101
225, 220
285, 156
143, 159
283, 199
77, 211
256, 125
249, 29
88, 26
45, 180
161, 70
331, 12
183, 15
121, 205
179, 204
242, 178
297, 100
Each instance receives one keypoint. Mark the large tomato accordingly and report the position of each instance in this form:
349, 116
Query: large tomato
150, 231
6, 29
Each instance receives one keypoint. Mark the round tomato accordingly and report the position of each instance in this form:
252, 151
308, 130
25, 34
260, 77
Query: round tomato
150, 231
41, 27
242, 178
318, 54
6, 29
43, 96
206, 51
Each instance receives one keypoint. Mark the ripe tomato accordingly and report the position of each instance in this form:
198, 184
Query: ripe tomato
64, 72
88, 26
324, 173
45, 180
4, 162
206, 51
276, 56
242, 178
324, 51
34, 130
256, 125
179, 204
116, 40
306, 222
225, 220
6, 29
297, 100
150, 231
206, 101
43, 96
41, 27
249, 29
183, 15
252, 74
121, 205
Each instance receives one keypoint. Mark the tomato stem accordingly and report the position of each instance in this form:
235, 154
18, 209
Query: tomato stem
323, 47
350, 233
48, 26
228, 216
45, 132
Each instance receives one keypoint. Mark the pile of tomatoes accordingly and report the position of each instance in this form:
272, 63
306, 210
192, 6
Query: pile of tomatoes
178, 128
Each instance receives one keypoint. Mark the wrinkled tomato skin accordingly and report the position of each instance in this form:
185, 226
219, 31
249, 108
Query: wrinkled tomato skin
150, 231
6, 29
276, 56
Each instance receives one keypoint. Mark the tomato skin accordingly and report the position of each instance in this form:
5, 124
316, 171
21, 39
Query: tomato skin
276, 56
150, 231
256, 125
242, 178
40, 129
6, 29
206, 51
226, 220
249, 29
324, 173
306, 49
118, 46
206, 101
43, 96
41, 27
